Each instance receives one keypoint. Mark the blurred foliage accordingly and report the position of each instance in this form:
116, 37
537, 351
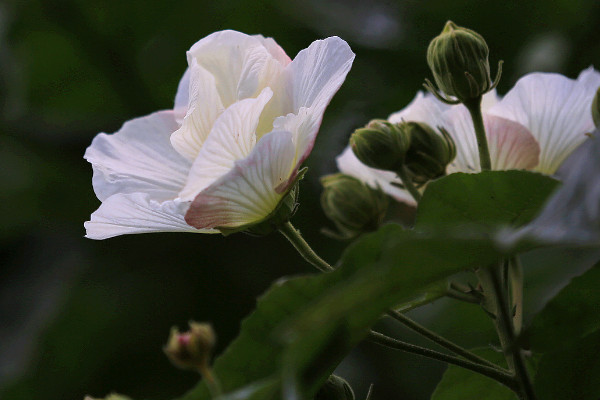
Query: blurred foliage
82, 317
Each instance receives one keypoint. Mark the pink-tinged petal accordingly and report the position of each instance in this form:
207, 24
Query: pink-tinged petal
130, 213
274, 49
555, 109
240, 64
138, 158
350, 165
251, 190
202, 111
511, 145
232, 138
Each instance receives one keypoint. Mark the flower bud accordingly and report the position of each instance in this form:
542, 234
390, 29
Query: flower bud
191, 349
380, 145
458, 59
596, 109
335, 388
353, 206
429, 153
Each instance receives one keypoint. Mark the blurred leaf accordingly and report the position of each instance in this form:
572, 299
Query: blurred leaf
459, 383
572, 314
572, 372
489, 198
263, 390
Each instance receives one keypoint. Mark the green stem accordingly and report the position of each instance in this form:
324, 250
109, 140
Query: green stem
474, 108
434, 337
295, 238
500, 376
408, 184
513, 351
515, 278
211, 382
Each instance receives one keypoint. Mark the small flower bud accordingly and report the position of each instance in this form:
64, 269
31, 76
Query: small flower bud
335, 388
458, 59
380, 145
191, 349
353, 206
596, 109
429, 153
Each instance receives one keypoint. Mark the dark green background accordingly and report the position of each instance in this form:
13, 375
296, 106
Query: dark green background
88, 317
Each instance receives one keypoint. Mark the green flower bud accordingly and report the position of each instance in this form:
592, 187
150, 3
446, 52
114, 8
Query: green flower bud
596, 109
353, 206
335, 388
429, 153
380, 145
458, 59
191, 349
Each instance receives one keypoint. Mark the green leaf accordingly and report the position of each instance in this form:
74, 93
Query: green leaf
572, 372
490, 198
459, 383
569, 316
264, 390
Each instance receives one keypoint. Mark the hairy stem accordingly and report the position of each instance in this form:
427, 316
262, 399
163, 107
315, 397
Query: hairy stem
474, 108
295, 238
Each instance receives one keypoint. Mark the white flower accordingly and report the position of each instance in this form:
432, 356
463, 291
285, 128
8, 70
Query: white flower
245, 118
539, 122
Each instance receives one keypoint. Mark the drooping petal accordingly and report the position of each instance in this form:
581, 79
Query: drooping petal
315, 76
138, 158
127, 213
240, 64
202, 111
231, 138
251, 190
350, 165
555, 109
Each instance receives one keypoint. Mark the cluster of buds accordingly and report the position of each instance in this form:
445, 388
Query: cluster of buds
411, 149
191, 349
459, 61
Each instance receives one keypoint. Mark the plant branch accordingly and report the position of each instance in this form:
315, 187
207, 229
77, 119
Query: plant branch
434, 337
500, 376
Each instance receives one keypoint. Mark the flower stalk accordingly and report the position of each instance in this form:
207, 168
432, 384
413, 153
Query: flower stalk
474, 107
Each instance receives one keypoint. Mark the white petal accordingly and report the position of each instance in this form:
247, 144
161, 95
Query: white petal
138, 158
202, 111
318, 71
555, 109
241, 65
350, 165
122, 214
182, 97
232, 138
251, 190
316, 75
423, 108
